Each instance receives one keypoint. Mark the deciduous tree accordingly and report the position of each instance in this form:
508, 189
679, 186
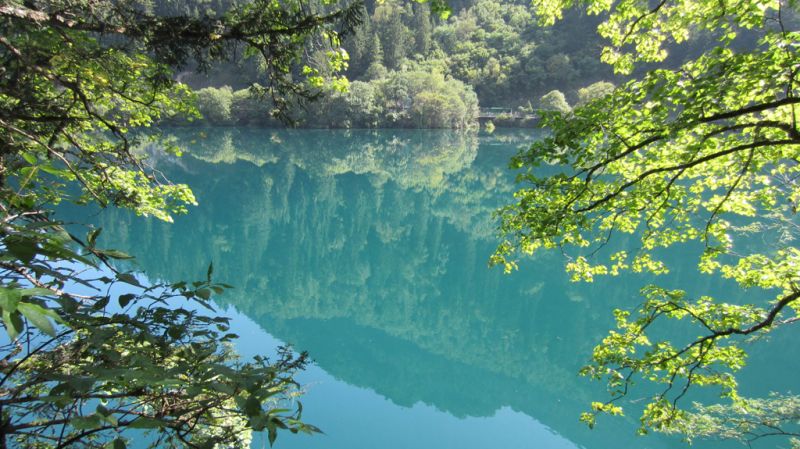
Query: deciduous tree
94, 350
702, 159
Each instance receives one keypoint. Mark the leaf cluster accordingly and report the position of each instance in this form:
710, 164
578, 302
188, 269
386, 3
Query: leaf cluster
702, 159
82, 368
94, 350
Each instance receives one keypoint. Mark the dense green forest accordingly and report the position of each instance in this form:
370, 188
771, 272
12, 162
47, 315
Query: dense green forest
410, 68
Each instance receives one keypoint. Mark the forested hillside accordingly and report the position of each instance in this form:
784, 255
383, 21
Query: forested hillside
410, 68
494, 46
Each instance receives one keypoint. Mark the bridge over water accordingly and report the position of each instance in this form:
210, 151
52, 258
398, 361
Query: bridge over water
505, 113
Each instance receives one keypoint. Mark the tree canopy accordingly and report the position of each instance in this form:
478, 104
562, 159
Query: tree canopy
94, 349
701, 159
417, 95
493, 46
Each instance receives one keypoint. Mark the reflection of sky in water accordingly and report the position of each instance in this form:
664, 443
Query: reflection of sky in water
368, 249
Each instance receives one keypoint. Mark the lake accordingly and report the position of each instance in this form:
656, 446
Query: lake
369, 250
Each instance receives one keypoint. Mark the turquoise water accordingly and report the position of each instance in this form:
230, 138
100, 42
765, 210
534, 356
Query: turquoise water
369, 249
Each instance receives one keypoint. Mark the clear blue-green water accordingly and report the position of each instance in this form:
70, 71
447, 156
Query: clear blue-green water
369, 249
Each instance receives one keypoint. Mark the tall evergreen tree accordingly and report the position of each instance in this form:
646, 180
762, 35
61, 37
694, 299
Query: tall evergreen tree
422, 29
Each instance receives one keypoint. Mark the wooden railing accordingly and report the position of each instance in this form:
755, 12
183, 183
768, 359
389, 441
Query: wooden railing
492, 113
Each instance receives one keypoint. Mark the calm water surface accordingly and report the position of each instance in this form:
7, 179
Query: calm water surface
368, 249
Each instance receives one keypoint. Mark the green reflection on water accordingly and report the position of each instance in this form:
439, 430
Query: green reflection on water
368, 249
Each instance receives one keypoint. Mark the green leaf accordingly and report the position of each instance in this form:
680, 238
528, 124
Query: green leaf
210, 271
117, 443
91, 238
13, 323
111, 419
60, 172
102, 410
81, 384
38, 315
114, 254
222, 388
252, 406
22, 248
86, 422
128, 279
29, 158
258, 423
126, 299
203, 293
144, 422
26, 292
9, 299
101, 303
176, 332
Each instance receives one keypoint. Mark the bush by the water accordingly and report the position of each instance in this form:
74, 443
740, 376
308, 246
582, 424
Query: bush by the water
411, 97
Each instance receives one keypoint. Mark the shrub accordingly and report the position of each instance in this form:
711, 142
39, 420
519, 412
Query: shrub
215, 104
554, 101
